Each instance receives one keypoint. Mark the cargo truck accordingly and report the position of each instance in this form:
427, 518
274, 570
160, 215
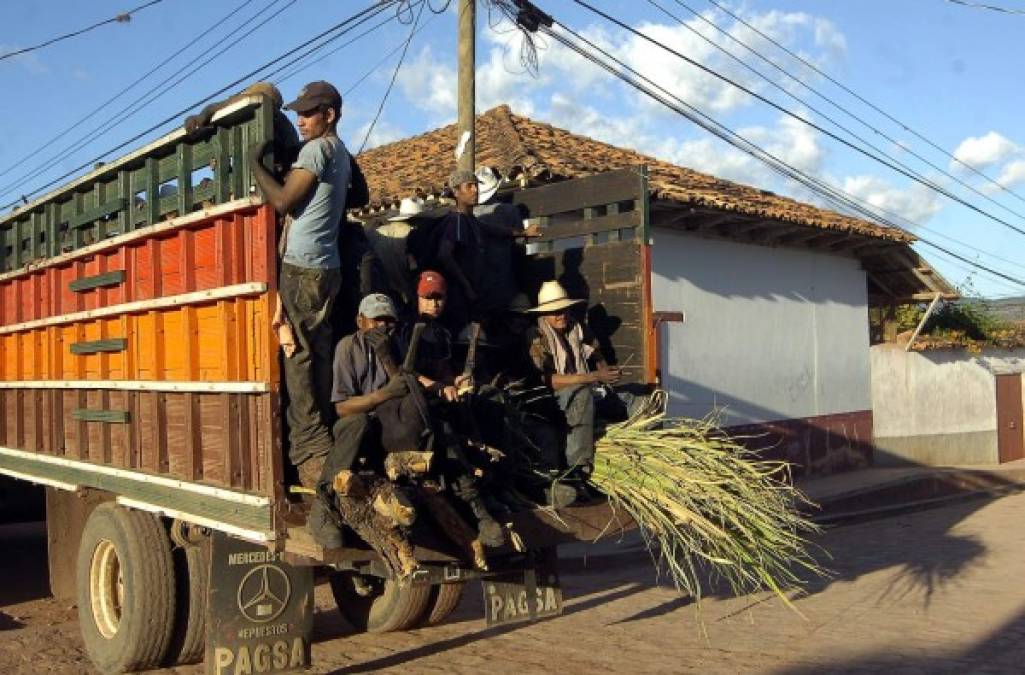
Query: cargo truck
140, 384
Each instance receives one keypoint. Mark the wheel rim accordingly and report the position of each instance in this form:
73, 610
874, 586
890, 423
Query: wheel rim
106, 588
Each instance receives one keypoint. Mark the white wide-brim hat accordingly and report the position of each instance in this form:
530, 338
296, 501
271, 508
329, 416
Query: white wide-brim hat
409, 208
552, 297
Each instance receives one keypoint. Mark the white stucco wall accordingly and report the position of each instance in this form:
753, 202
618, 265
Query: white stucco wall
769, 333
938, 406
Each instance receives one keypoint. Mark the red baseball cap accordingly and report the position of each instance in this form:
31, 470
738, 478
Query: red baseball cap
431, 285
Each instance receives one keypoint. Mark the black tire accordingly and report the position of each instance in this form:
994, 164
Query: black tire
443, 601
385, 608
126, 594
192, 574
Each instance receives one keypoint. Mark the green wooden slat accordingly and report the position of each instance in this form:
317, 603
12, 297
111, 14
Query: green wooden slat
51, 229
124, 190
94, 214
97, 346
16, 245
184, 179
247, 516
107, 416
36, 247
152, 192
3, 248
239, 170
222, 172
98, 281
77, 238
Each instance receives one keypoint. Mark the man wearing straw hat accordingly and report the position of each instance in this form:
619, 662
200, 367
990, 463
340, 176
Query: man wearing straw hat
563, 352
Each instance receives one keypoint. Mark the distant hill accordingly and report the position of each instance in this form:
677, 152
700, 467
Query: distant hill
1008, 309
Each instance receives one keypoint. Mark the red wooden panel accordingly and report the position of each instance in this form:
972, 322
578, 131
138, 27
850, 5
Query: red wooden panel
170, 266
208, 273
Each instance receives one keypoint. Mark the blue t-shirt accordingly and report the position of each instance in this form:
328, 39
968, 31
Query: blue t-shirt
313, 235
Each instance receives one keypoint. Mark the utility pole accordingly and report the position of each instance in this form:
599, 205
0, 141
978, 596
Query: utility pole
467, 64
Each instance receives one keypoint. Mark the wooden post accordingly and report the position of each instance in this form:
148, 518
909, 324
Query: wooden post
467, 63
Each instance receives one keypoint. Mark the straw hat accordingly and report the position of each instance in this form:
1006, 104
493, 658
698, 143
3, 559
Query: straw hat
409, 208
552, 297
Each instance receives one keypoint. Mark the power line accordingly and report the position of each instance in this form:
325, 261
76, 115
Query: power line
815, 110
865, 101
933, 186
995, 8
710, 124
356, 19
391, 83
150, 95
121, 93
124, 17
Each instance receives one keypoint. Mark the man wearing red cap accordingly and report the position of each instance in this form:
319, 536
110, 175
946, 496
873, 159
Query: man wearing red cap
434, 353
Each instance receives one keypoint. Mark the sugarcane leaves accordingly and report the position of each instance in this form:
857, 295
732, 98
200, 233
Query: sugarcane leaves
709, 509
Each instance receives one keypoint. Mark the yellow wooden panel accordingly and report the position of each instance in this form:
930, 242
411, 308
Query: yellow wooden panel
171, 343
210, 324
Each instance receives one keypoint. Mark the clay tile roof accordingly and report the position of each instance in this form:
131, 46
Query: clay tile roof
518, 145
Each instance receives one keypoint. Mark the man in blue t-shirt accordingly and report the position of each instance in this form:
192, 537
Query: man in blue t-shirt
313, 194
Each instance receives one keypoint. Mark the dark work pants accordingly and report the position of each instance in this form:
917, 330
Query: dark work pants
578, 405
307, 296
350, 433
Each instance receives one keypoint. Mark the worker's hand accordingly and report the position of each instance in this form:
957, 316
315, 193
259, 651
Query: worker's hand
533, 230
257, 151
607, 374
397, 387
465, 384
450, 393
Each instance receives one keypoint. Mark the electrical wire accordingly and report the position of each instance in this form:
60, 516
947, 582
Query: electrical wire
980, 5
863, 100
747, 90
818, 111
391, 83
125, 90
356, 19
826, 191
150, 95
124, 17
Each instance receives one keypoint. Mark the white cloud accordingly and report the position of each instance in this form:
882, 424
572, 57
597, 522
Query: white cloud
1013, 173
382, 134
430, 84
984, 151
916, 203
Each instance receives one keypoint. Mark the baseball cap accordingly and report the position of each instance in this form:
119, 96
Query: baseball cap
431, 285
376, 306
315, 95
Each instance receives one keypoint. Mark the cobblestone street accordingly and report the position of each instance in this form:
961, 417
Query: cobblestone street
933, 591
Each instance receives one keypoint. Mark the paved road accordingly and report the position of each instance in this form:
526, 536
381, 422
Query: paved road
934, 591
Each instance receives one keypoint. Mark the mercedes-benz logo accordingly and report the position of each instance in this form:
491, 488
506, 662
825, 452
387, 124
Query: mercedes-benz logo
263, 593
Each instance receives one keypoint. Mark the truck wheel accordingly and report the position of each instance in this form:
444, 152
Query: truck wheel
378, 605
192, 574
443, 601
125, 589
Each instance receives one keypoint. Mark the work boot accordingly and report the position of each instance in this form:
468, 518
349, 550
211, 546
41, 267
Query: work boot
322, 526
410, 464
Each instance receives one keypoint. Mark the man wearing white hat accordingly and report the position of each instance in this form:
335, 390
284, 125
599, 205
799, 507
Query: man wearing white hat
389, 243
564, 353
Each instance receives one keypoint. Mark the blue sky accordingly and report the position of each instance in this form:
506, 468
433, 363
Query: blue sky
949, 72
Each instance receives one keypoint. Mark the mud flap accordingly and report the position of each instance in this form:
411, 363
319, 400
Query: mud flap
259, 612
523, 595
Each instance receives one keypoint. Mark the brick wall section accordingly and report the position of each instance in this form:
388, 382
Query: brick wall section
813, 445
